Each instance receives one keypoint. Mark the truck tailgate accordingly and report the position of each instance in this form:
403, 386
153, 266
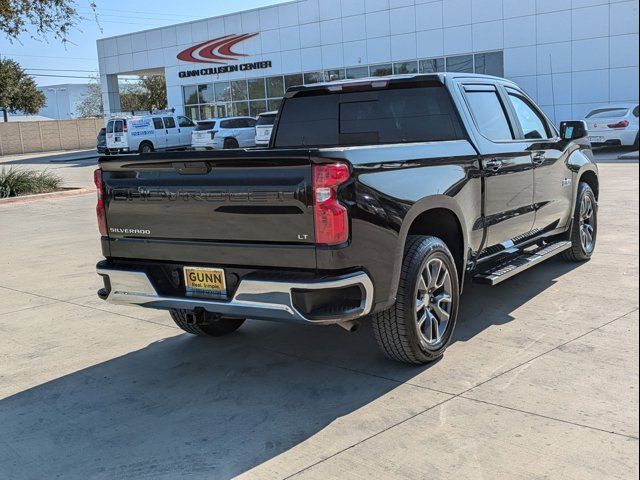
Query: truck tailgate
224, 198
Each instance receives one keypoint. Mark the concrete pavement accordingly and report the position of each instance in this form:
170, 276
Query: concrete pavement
541, 382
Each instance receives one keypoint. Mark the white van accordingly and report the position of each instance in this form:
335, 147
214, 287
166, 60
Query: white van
147, 133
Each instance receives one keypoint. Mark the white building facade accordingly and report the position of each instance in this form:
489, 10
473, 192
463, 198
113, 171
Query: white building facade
569, 55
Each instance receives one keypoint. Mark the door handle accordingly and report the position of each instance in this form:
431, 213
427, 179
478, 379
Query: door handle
493, 164
539, 158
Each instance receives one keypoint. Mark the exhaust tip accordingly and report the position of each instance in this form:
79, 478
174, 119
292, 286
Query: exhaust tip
350, 326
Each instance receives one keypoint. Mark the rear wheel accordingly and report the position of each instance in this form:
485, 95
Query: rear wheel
211, 326
419, 326
230, 143
145, 147
584, 229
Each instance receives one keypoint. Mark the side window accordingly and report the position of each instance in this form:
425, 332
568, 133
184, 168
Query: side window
251, 122
531, 121
169, 122
227, 124
110, 126
185, 122
157, 124
489, 114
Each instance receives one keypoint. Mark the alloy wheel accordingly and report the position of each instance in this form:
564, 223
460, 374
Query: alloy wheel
587, 224
433, 302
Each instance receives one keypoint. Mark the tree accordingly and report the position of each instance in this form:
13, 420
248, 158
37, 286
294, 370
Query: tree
91, 102
18, 91
55, 17
150, 93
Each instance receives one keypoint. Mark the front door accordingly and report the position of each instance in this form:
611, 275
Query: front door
553, 183
507, 168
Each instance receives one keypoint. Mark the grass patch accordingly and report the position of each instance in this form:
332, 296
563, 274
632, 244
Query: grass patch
15, 182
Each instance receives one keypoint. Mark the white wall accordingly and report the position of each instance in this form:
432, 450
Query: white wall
590, 45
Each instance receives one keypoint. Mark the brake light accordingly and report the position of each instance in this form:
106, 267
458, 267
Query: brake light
125, 127
100, 209
330, 216
213, 134
621, 124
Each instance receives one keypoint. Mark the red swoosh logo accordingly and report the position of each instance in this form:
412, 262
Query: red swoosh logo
218, 50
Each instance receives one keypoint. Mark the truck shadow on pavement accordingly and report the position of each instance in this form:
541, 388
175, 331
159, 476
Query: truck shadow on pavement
216, 408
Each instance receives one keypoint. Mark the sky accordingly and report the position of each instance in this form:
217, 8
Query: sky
50, 62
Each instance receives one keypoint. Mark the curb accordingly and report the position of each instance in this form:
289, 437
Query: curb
67, 192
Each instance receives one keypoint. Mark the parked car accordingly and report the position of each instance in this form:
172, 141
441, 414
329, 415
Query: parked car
264, 126
101, 145
224, 133
148, 133
376, 200
614, 125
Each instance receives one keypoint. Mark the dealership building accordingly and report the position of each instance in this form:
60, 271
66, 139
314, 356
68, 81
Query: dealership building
569, 55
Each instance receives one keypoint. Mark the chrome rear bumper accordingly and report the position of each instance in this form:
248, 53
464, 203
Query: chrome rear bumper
254, 298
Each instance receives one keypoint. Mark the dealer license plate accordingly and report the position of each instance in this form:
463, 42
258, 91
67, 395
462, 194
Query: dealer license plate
205, 281
596, 139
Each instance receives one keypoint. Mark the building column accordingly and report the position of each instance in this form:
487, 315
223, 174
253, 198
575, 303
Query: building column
110, 94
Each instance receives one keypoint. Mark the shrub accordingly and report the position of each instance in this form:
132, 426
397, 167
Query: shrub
15, 182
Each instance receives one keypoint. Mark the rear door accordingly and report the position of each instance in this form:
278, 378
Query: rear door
161, 134
173, 136
507, 165
552, 179
116, 134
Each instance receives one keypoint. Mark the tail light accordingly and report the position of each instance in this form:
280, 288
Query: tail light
331, 219
213, 134
621, 124
125, 127
100, 208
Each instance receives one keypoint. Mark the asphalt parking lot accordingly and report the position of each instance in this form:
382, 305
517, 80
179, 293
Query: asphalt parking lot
541, 382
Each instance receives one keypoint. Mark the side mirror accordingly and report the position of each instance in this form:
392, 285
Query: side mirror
573, 130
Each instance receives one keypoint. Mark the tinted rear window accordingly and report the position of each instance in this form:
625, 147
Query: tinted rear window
205, 126
397, 115
266, 120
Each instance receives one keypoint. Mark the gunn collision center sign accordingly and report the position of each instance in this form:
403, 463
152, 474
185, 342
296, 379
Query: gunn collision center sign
219, 51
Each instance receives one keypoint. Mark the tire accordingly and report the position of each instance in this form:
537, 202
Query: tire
145, 147
230, 143
213, 328
396, 329
581, 251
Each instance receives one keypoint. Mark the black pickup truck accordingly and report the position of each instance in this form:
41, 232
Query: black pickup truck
375, 199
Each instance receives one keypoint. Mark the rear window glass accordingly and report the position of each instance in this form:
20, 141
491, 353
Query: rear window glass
205, 126
608, 113
118, 126
266, 120
396, 115
110, 126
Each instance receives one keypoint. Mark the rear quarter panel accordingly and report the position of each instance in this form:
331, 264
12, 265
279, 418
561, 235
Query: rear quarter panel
393, 185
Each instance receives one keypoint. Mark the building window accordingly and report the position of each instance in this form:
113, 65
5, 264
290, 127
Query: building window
257, 89
292, 81
381, 70
334, 75
190, 94
205, 93
313, 77
491, 63
257, 107
357, 72
460, 63
275, 87
223, 91
405, 68
273, 105
239, 90
432, 65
